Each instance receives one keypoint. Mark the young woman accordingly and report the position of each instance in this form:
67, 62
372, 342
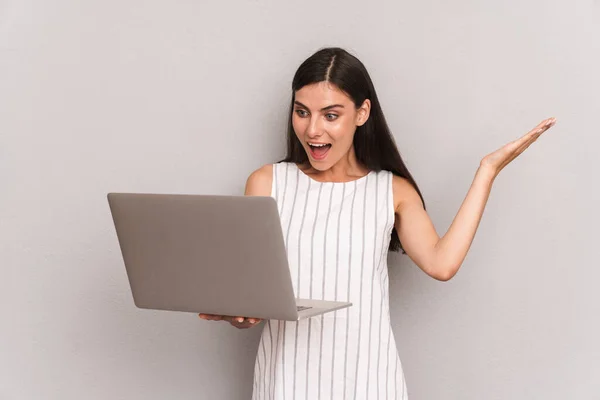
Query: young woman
345, 198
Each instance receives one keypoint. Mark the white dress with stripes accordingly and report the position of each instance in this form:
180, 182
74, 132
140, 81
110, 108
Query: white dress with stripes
337, 237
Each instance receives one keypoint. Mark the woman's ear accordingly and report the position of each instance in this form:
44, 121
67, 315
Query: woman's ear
363, 112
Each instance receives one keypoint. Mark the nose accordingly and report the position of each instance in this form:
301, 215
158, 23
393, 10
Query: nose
314, 130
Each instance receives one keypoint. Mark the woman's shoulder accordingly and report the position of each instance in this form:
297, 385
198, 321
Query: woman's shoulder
404, 192
259, 182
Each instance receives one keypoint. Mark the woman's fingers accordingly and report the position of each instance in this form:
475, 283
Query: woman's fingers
533, 134
238, 322
520, 145
507, 153
243, 323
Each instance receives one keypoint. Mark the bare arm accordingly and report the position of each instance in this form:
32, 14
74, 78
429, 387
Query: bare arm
442, 257
439, 257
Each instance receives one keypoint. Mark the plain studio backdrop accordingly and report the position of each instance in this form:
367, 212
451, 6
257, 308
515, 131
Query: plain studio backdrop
191, 96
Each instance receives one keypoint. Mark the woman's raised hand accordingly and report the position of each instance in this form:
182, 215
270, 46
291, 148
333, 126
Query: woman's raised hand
500, 158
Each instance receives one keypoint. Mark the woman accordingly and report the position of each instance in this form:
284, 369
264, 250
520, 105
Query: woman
345, 197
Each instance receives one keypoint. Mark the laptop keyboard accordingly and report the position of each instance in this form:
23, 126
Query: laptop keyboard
301, 308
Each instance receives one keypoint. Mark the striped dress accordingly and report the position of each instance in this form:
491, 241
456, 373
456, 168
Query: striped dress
337, 237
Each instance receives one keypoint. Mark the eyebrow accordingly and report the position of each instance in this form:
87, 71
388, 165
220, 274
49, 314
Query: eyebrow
322, 109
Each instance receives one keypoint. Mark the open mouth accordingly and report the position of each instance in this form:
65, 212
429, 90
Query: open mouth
319, 151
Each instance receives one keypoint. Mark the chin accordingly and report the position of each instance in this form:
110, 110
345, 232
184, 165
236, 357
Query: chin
320, 165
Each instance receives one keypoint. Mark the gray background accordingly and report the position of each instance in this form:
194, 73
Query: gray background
191, 96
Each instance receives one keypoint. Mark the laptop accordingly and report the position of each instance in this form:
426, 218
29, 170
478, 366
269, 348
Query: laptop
209, 254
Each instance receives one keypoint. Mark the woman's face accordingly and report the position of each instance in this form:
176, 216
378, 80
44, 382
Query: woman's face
324, 120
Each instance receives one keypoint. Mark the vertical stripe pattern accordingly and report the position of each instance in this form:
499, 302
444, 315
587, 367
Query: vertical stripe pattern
337, 237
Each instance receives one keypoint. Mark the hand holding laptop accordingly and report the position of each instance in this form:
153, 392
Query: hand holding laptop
238, 322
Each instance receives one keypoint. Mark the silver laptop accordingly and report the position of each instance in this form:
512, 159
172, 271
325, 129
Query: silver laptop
208, 254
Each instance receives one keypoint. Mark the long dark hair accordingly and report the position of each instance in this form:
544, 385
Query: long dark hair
374, 144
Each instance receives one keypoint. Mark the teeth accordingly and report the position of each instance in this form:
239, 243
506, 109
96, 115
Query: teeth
317, 145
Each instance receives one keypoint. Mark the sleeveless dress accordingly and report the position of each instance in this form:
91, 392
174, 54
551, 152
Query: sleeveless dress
337, 238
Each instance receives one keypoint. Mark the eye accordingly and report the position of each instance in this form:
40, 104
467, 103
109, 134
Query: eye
301, 113
333, 116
